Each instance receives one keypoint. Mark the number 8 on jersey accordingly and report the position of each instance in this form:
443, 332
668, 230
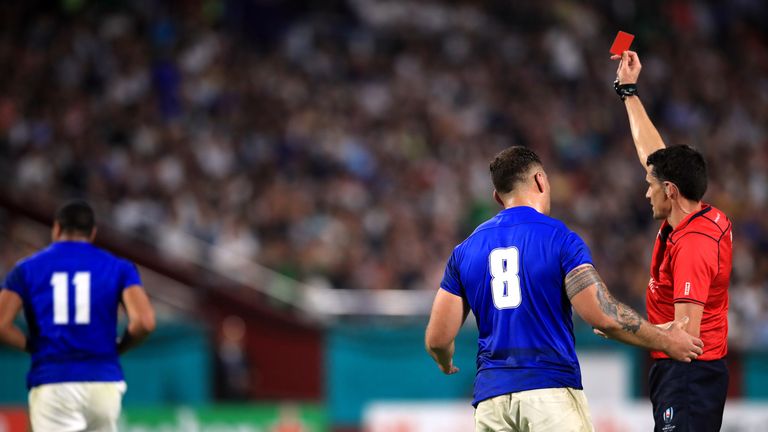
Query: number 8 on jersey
504, 265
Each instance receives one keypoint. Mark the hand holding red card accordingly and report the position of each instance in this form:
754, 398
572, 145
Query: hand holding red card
621, 43
629, 67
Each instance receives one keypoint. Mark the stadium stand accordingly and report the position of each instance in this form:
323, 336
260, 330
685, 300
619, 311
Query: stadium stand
344, 144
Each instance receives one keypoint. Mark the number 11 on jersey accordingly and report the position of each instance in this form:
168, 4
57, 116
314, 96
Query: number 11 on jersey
82, 282
504, 265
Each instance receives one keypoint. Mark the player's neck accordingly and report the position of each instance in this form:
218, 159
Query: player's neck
524, 201
681, 209
71, 238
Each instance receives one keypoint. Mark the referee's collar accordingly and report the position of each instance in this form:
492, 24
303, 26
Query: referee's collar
688, 219
667, 229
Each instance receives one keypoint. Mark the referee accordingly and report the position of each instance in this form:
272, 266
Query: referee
690, 270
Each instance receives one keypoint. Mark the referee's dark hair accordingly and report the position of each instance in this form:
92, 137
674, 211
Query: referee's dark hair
510, 166
76, 217
683, 166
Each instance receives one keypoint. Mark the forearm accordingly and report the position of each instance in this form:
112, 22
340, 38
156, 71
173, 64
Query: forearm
134, 335
595, 304
630, 328
443, 355
694, 313
644, 134
622, 323
13, 336
611, 318
448, 314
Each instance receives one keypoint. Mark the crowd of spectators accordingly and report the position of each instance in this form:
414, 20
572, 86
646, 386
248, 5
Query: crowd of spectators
349, 141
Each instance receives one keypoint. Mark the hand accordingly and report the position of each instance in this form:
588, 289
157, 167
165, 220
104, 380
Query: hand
682, 345
450, 370
629, 67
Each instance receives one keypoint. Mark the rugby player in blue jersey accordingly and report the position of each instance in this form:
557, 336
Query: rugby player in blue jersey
520, 273
70, 293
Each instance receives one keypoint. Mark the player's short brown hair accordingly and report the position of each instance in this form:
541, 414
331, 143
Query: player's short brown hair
510, 166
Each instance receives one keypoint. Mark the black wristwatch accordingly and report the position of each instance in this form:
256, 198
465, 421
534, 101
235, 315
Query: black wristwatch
624, 90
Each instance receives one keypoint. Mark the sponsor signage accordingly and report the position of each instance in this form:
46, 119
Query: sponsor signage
220, 418
607, 417
239, 418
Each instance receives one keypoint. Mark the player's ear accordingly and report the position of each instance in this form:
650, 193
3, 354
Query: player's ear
92, 237
497, 198
540, 181
55, 231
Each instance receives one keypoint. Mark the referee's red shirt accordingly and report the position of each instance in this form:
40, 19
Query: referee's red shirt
692, 263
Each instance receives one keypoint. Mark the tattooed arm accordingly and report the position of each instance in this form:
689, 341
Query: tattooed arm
595, 304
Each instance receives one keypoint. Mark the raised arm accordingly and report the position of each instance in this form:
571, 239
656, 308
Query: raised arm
647, 139
141, 318
592, 301
448, 314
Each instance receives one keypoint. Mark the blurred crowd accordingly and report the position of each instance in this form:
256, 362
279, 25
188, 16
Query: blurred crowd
348, 141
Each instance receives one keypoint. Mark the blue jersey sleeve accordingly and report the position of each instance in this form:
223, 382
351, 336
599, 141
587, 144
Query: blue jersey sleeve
15, 281
130, 275
574, 253
451, 281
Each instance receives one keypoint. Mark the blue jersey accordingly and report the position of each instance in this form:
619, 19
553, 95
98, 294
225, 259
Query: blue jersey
511, 271
71, 292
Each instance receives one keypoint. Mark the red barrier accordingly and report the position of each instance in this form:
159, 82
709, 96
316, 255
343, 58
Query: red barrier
13, 420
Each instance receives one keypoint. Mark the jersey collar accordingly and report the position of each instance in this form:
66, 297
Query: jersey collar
667, 229
70, 242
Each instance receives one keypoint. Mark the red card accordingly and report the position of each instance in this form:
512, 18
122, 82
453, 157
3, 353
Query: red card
621, 43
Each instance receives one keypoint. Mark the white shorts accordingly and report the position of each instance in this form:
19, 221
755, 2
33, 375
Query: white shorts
541, 410
75, 407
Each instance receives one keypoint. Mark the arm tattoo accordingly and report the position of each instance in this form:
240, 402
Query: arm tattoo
629, 320
579, 279
583, 277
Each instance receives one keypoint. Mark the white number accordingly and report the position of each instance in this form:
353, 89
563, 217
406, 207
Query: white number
82, 282
60, 282
505, 281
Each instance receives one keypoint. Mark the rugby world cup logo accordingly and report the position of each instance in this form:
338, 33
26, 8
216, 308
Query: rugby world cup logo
669, 414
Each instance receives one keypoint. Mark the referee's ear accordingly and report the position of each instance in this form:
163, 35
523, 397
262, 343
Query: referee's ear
671, 190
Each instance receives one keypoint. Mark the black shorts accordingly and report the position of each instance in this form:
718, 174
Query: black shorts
688, 397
